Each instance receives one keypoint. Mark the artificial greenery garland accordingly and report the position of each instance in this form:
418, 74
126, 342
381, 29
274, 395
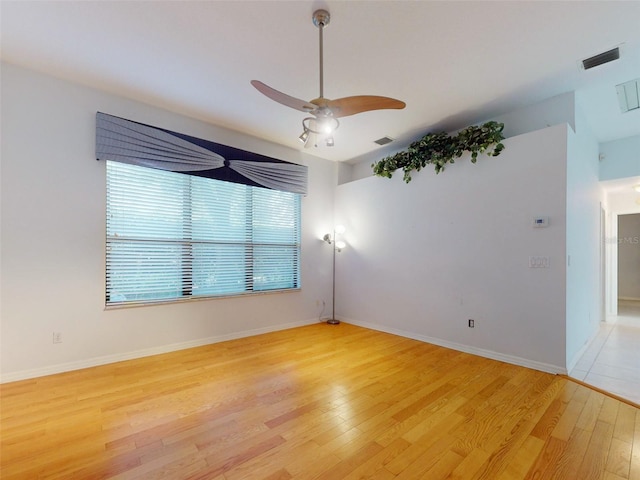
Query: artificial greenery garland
438, 149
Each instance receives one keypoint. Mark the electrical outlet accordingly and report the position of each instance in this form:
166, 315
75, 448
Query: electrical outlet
472, 323
57, 337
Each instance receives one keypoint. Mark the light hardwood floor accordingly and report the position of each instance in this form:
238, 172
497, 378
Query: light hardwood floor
318, 402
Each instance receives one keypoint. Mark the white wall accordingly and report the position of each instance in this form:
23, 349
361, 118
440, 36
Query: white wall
620, 158
425, 257
629, 257
53, 238
584, 197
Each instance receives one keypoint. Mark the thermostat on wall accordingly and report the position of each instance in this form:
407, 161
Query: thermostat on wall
540, 222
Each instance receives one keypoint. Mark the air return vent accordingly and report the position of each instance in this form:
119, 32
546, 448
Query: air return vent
629, 95
384, 140
601, 58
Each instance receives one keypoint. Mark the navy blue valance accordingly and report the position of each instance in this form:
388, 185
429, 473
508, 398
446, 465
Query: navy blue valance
135, 143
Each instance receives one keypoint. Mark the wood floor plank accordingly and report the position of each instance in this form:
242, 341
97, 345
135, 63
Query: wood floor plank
443, 467
428, 447
550, 455
517, 425
431, 453
634, 472
471, 465
310, 403
589, 416
522, 461
567, 423
612, 476
572, 457
625, 423
594, 462
619, 458
370, 467
351, 462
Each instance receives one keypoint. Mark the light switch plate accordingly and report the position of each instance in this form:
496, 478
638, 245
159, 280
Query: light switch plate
538, 262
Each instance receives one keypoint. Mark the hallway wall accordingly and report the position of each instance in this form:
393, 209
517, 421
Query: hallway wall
629, 257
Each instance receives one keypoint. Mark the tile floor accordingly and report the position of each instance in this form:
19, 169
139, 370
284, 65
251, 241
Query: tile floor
612, 361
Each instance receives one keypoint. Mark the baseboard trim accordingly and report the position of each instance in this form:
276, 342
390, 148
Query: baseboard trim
119, 357
522, 362
576, 358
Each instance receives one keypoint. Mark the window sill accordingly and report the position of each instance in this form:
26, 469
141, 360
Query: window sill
153, 303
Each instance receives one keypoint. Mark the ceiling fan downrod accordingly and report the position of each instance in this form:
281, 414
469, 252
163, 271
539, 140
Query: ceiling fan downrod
321, 19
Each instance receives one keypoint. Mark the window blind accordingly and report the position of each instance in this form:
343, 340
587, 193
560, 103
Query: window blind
174, 236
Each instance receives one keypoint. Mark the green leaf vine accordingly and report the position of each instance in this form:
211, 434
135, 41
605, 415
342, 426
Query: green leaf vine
438, 149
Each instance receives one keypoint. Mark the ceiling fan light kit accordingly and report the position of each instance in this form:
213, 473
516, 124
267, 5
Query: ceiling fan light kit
325, 111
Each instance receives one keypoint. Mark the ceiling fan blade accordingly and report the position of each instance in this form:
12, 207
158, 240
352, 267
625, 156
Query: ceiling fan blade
343, 107
283, 98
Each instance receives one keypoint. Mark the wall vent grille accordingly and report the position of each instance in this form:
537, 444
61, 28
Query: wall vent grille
601, 58
383, 140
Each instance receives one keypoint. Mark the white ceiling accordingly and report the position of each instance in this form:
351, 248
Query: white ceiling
453, 63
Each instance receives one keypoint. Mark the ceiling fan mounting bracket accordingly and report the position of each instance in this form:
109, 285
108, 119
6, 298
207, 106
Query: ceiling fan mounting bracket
321, 18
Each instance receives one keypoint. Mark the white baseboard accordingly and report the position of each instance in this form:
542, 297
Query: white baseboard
522, 362
92, 362
119, 357
576, 358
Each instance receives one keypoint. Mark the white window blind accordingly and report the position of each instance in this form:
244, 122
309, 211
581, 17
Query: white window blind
172, 236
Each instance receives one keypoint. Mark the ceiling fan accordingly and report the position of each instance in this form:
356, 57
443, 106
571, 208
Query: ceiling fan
326, 112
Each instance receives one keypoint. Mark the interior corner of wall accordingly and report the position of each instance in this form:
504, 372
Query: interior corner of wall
581, 124
573, 108
547, 113
344, 172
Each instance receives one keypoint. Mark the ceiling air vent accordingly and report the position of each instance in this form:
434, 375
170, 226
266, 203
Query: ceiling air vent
384, 140
601, 58
629, 95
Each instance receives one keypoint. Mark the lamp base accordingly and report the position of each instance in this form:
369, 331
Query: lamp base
333, 321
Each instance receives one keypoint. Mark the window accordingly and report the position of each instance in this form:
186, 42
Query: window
173, 236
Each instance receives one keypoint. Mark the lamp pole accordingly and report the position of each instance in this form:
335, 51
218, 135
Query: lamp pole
333, 320
331, 240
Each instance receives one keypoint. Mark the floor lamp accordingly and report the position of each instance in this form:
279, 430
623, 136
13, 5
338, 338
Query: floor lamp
338, 245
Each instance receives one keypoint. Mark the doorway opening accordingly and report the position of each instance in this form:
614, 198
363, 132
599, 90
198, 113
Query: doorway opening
628, 275
612, 359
